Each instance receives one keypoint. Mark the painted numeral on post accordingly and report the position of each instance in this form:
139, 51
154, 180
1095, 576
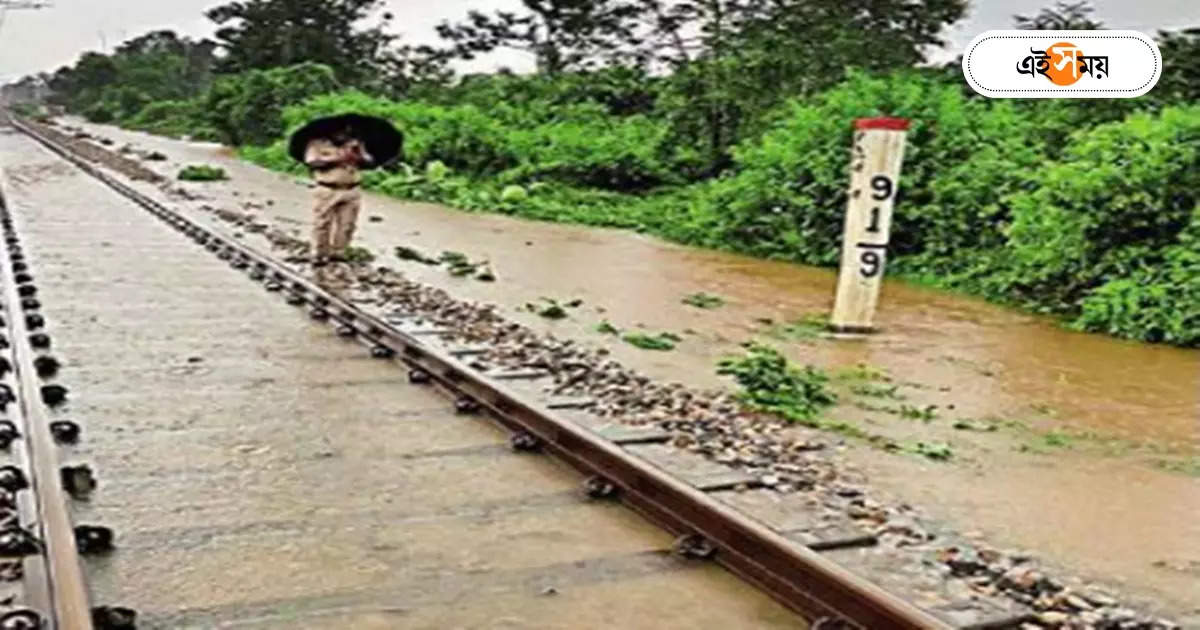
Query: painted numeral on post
871, 262
874, 225
883, 187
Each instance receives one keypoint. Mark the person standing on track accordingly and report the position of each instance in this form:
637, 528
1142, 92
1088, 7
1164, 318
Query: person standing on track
335, 162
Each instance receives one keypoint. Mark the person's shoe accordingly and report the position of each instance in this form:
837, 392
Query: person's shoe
320, 262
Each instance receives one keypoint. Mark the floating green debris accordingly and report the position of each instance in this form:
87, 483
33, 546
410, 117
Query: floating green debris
704, 300
937, 451
404, 252
772, 384
878, 391
202, 173
660, 342
926, 413
358, 255
975, 425
606, 328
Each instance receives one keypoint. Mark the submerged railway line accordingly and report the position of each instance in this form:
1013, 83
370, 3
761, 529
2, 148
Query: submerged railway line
233, 465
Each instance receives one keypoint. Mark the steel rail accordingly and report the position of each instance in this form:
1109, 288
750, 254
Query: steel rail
796, 576
54, 578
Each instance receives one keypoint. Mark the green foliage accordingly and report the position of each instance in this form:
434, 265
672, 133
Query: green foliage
788, 195
1156, 304
202, 173
173, 118
358, 255
248, 108
877, 391
266, 34
704, 300
577, 144
1086, 210
404, 252
937, 451
770, 383
605, 328
1113, 208
157, 66
661, 341
808, 327
927, 413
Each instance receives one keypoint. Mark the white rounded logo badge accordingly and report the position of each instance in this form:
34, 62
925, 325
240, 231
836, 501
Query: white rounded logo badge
1062, 64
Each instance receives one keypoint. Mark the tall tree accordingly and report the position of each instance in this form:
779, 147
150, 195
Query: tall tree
737, 59
1063, 16
560, 35
260, 34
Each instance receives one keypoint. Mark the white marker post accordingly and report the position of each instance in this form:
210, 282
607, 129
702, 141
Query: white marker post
874, 170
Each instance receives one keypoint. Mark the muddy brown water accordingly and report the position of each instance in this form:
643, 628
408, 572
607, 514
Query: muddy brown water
261, 473
1116, 518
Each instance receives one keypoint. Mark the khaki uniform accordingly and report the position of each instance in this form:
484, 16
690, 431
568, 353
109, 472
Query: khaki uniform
338, 197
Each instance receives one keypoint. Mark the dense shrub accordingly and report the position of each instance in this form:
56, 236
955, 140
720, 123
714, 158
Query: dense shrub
580, 144
247, 108
173, 118
787, 195
1157, 304
1109, 208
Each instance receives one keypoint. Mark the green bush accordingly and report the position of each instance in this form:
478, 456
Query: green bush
1110, 208
100, 113
769, 382
787, 196
1160, 304
581, 144
173, 118
248, 108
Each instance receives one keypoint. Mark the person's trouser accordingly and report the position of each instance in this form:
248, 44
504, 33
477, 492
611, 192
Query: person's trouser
334, 217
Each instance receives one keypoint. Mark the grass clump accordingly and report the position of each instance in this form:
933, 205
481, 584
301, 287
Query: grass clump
202, 173
937, 451
927, 413
605, 328
877, 391
662, 342
807, 327
358, 255
704, 300
862, 373
551, 309
404, 252
967, 424
772, 384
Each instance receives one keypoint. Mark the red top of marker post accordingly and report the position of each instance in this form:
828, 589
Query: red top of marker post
892, 124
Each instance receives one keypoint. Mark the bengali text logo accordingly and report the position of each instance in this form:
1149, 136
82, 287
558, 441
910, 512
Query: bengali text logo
1062, 64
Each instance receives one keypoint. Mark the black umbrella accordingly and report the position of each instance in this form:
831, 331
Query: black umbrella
383, 141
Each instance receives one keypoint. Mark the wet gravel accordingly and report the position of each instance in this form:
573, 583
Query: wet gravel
714, 424
707, 422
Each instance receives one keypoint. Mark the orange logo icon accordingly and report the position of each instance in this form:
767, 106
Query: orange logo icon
1064, 63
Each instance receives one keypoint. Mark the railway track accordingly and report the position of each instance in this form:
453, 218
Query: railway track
293, 463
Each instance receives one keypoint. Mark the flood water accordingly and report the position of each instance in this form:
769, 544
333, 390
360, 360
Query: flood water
1111, 517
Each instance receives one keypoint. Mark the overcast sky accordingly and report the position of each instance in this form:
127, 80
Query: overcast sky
33, 41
